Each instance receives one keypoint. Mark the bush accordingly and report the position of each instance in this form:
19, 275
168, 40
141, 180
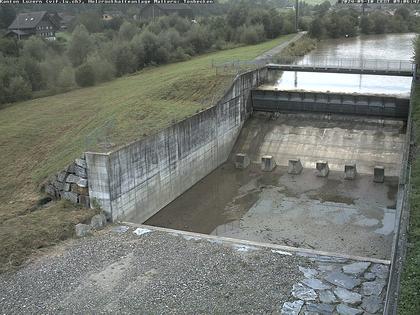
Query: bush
66, 78
102, 68
34, 74
124, 59
85, 76
18, 90
34, 47
251, 35
80, 46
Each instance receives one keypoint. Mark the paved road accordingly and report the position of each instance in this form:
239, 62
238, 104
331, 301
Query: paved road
276, 50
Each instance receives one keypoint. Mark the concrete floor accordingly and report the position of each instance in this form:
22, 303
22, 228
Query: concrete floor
331, 214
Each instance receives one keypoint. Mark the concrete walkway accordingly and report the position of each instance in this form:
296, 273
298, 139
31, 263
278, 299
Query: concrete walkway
276, 50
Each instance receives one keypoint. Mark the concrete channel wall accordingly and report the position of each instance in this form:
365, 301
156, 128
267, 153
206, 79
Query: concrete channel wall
139, 179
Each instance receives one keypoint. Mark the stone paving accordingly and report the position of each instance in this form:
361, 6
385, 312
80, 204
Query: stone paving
339, 286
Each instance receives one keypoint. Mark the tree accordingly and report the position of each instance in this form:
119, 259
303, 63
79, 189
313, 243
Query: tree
366, 25
33, 72
9, 47
127, 31
18, 89
150, 45
103, 69
66, 78
138, 50
402, 12
92, 21
316, 29
124, 59
80, 46
85, 76
34, 47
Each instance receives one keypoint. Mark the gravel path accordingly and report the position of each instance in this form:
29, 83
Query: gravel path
156, 272
276, 50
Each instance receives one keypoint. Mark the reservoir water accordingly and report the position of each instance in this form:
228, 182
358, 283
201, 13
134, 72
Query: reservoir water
394, 47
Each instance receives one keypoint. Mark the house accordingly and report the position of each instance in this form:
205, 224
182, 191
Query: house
109, 15
152, 11
66, 20
34, 23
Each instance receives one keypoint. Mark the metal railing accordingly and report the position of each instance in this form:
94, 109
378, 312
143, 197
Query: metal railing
237, 66
348, 63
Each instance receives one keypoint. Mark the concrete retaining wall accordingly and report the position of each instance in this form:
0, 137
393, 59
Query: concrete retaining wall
137, 180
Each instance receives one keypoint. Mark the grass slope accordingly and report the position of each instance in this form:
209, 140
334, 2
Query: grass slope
41, 136
409, 302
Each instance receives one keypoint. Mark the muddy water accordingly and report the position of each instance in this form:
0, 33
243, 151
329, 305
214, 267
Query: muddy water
389, 47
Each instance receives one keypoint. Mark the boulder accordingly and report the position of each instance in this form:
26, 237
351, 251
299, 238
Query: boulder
83, 230
81, 163
85, 201
98, 221
295, 167
80, 171
70, 196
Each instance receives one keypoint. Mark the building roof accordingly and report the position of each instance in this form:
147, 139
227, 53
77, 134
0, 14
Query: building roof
17, 32
27, 20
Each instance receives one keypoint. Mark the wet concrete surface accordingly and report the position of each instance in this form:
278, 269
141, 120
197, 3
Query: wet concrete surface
331, 214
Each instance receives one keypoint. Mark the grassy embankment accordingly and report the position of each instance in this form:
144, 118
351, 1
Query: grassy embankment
409, 302
41, 136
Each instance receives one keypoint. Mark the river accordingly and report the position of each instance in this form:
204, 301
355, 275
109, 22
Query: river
382, 47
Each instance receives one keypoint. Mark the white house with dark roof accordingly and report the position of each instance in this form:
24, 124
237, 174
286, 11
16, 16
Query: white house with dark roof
34, 23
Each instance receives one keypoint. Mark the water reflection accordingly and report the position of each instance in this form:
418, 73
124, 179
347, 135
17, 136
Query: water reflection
345, 83
389, 47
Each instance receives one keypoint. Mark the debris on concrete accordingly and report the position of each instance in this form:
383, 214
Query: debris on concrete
303, 293
82, 230
315, 284
326, 296
350, 171
343, 309
120, 229
373, 287
342, 280
372, 304
242, 161
98, 221
267, 163
322, 168
295, 167
356, 268
308, 272
347, 296
140, 231
379, 174
292, 308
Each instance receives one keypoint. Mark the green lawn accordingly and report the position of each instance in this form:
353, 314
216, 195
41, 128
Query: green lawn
41, 136
409, 303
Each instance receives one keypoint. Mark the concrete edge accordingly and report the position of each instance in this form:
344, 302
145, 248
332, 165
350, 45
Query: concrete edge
259, 244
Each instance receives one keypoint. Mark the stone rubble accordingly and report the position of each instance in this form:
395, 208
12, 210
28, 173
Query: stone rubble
71, 184
339, 286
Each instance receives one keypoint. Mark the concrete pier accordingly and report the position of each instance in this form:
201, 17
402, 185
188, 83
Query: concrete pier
241, 161
379, 174
350, 171
295, 167
322, 168
267, 163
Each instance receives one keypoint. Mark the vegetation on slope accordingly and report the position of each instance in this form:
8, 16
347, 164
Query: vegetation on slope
409, 302
39, 137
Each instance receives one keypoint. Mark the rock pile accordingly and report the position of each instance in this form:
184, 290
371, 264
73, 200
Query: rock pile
71, 184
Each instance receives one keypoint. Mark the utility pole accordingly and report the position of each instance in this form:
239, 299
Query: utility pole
297, 16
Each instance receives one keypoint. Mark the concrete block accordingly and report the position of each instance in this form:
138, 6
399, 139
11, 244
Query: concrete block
70, 168
70, 196
350, 171
295, 167
267, 163
61, 177
67, 187
379, 174
241, 161
84, 201
50, 190
322, 168
80, 171
58, 185
81, 163
83, 230
73, 179
98, 221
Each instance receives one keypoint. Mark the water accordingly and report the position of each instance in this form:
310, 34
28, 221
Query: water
385, 47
